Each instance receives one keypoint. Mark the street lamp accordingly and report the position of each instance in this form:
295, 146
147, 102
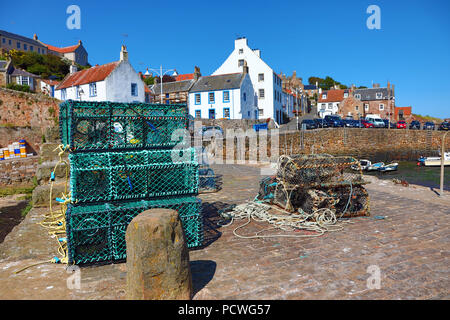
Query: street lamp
161, 75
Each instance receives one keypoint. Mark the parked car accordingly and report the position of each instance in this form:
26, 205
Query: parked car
348, 118
320, 123
445, 126
375, 120
389, 124
367, 124
429, 125
348, 123
415, 124
333, 121
357, 124
401, 124
209, 131
309, 124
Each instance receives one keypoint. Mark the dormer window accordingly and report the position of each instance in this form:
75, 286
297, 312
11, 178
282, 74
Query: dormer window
324, 96
345, 94
379, 95
357, 96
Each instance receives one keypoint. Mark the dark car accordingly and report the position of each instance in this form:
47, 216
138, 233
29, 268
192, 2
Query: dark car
320, 123
389, 124
428, 125
308, 123
445, 126
414, 125
348, 123
333, 121
357, 124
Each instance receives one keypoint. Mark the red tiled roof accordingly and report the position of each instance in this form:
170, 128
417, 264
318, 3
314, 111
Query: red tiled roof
333, 95
94, 74
50, 82
182, 77
62, 50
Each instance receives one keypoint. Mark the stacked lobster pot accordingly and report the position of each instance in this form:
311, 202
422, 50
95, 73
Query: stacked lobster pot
125, 158
307, 183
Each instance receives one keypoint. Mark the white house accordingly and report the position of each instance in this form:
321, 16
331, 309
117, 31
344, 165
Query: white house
328, 102
267, 85
288, 102
229, 96
48, 87
116, 81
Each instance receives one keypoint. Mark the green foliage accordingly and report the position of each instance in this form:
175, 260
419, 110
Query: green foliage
362, 87
44, 65
27, 209
8, 191
326, 83
18, 87
149, 80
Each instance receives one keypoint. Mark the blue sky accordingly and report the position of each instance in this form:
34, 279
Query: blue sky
315, 38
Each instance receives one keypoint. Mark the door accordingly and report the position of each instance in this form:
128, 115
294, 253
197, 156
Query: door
212, 114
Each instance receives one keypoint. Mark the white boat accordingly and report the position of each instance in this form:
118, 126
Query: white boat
363, 163
389, 167
436, 161
375, 166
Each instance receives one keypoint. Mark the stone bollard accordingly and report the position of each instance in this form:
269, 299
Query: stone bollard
157, 257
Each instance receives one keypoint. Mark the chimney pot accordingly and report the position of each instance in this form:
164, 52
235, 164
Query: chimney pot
123, 53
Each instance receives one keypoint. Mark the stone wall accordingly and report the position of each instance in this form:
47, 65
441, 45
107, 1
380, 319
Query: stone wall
18, 171
27, 109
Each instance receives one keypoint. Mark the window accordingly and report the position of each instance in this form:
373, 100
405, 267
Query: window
31, 48
211, 97
245, 96
241, 63
134, 89
381, 106
261, 93
261, 77
357, 96
24, 81
167, 95
25, 47
93, 89
18, 45
330, 106
241, 51
197, 98
226, 96
77, 92
9, 42
260, 112
226, 113
39, 50
345, 94
4, 40
379, 95
366, 107
63, 94
356, 108
198, 113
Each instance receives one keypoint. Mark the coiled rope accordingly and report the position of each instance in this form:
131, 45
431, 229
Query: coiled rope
320, 221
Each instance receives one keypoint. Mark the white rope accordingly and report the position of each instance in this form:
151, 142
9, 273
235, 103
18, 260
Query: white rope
319, 221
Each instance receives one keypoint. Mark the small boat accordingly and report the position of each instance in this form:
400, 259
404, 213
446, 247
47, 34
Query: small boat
363, 163
375, 166
389, 167
435, 161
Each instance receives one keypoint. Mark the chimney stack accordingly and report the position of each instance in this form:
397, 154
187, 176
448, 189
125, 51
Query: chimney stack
73, 68
123, 53
35, 37
245, 68
197, 73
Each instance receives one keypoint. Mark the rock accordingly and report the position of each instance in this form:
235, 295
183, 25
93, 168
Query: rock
157, 257
41, 194
48, 152
45, 169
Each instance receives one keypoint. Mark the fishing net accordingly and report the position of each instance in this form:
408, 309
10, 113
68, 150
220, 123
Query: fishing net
100, 126
208, 181
96, 233
312, 182
110, 176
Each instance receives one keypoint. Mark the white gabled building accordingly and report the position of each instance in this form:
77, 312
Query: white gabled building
116, 82
267, 85
228, 96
